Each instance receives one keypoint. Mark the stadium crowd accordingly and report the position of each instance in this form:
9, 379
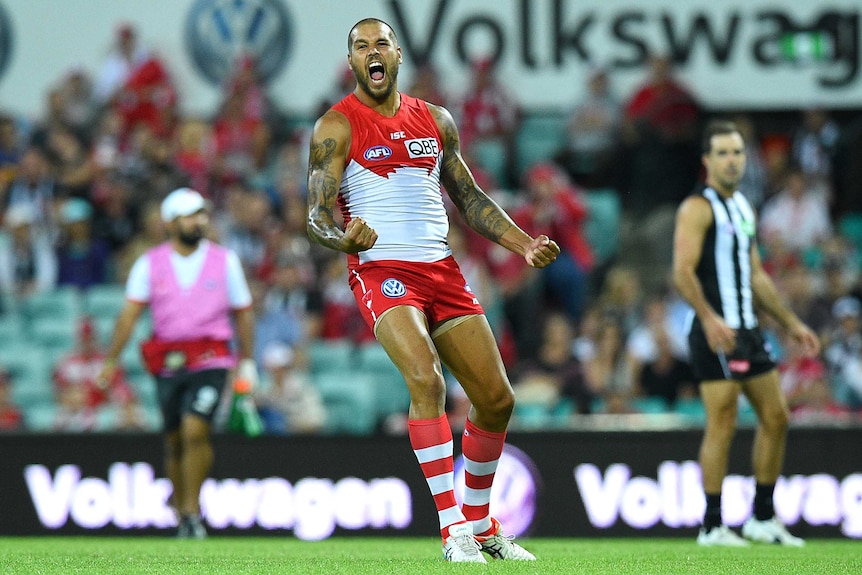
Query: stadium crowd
600, 332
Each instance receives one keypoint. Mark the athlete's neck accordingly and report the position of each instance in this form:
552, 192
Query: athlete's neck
723, 191
387, 107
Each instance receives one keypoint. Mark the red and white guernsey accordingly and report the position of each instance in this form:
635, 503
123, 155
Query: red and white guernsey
392, 181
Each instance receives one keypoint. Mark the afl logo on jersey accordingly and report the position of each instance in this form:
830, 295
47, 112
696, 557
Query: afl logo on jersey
393, 288
377, 153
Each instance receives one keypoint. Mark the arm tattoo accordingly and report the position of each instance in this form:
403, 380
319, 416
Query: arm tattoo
479, 211
322, 194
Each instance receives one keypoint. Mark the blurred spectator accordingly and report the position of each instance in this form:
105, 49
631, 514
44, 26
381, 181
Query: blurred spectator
815, 145
593, 129
343, 85
79, 370
194, 153
660, 130
843, 352
273, 325
241, 143
797, 285
149, 98
800, 376
71, 163
131, 417
247, 231
79, 103
34, 186
555, 375
554, 206
819, 407
658, 355
797, 218
426, 85
289, 404
73, 414
82, 259
340, 318
11, 416
608, 370
10, 150
116, 214
754, 181
294, 291
28, 264
621, 297
486, 112
125, 55
150, 233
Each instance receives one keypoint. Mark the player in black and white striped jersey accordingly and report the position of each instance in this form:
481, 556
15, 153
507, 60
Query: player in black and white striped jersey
717, 269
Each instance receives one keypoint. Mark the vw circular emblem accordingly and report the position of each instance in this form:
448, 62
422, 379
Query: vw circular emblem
393, 288
5, 40
514, 497
218, 32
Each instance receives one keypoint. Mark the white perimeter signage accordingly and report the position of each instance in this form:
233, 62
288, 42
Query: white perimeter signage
757, 54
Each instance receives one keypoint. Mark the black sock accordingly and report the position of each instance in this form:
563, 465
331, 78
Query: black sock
763, 507
712, 517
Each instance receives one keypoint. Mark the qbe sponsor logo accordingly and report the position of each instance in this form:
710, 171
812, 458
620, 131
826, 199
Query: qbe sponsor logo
423, 148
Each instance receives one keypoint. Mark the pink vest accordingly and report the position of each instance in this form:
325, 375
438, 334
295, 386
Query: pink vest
201, 311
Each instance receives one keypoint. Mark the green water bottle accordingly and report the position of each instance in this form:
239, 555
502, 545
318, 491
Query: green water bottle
244, 417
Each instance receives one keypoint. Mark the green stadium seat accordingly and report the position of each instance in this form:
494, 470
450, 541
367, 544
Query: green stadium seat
602, 228
490, 155
390, 390
104, 301
40, 418
331, 356
850, 227
60, 303
349, 400
540, 137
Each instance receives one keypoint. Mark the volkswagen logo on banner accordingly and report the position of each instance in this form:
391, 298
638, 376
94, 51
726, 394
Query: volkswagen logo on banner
5, 39
218, 32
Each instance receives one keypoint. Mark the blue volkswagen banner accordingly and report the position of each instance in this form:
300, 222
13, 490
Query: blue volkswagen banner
580, 484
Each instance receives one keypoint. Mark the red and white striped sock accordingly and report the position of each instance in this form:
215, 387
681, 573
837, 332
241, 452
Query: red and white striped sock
431, 440
481, 450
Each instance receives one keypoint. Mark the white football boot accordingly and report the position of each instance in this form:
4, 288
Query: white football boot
720, 536
461, 546
501, 546
770, 531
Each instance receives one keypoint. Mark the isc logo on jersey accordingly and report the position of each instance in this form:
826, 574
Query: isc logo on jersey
377, 153
422, 148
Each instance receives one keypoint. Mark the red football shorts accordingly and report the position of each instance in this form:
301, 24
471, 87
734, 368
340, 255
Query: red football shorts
437, 289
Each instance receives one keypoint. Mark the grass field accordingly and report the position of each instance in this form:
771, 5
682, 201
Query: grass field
403, 556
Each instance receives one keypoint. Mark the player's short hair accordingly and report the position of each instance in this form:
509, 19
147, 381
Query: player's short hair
716, 128
369, 21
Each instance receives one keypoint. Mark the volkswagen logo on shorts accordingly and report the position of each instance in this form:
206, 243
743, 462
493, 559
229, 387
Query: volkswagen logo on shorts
393, 288
5, 39
219, 32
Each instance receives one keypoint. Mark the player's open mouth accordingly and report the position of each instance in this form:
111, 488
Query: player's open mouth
376, 71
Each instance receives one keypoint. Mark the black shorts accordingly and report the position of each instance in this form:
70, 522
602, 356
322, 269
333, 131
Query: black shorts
750, 358
197, 392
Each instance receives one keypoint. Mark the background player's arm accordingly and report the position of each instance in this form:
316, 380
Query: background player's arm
330, 143
693, 219
481, 212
